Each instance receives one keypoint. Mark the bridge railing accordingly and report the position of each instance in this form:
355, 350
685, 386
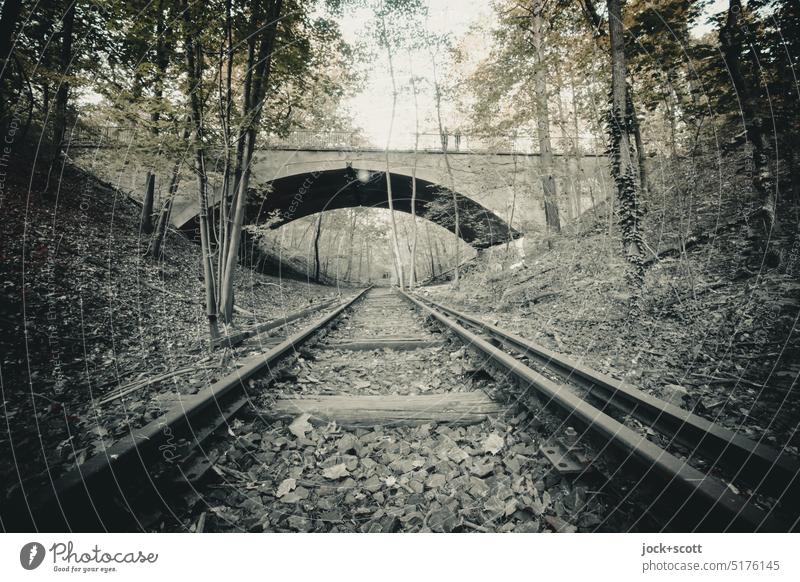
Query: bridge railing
455, 142
105, 136
428, 142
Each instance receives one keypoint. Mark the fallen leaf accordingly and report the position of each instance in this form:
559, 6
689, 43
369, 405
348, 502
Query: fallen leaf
495, 506
286, 486
300, 426
336, 472
457, 354
493, 443
482, 469
559, 525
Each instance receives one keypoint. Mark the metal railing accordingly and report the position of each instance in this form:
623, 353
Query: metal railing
453, 142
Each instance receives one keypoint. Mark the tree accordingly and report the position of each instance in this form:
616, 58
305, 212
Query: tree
317, 232
412, 271
193, 72
451, 180
256, 83
731, 41
146, 222
387, 42
514, 87
621, 124
8, 26
62, 95
543, 118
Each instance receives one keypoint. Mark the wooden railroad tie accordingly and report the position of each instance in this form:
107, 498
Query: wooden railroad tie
381, 343
454, 408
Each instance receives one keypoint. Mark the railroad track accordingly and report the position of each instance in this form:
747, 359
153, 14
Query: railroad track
383, 421
122, 487
688, 497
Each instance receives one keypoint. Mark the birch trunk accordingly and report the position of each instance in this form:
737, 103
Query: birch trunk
543, 121
398, 265
252, 116
200, 171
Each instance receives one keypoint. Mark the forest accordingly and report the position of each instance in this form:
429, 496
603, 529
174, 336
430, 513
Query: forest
615, 180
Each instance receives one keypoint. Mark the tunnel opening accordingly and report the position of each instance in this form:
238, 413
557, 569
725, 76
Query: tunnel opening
353, 247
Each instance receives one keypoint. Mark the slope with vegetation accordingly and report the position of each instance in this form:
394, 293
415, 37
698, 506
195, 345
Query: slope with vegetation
85, 312
717, 331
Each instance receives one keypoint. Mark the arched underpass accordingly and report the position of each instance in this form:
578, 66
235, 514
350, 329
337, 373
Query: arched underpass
300, 195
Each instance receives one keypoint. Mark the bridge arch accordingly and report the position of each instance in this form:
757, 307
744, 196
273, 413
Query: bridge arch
306, 193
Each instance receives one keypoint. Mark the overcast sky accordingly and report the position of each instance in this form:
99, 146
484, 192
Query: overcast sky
371, 109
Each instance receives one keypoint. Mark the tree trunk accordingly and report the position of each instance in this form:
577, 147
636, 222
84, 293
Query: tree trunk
398, 264
576, 143
513, 204
360, 258
369, 264
146, 223
225, 109
233, 188
338, 263
412, 270
412, 273
622, 164
430, 249
157, 240
252, 115
350, 245
316, 247
161, 62
62, 95
566, 183
644, 181
8, 26
199, 161
451, 180
438, 255
764, 182
543, 121
154, 250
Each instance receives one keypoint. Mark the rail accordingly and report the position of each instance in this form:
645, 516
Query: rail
88, 497
698, 500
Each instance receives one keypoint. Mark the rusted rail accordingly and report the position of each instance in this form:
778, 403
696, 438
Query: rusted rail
696, 500
766, 469
119, 487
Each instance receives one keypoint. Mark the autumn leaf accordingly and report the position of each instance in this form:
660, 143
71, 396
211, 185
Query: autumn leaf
300, 426
285, 487
493, 444
336, 472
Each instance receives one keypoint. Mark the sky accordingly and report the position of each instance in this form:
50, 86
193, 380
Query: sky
371, 108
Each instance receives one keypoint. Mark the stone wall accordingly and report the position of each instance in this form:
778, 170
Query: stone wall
490, 179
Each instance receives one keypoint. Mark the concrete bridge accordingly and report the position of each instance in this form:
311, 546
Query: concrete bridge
337, 172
